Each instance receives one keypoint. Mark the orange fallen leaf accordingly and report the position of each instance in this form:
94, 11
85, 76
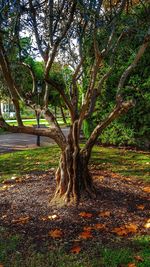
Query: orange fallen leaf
57, 233
105, 213
120, 231
76, 249
131, 264
125, 229
138, 258
1, 265
86, 235
85, 214
146, 189
99, 226
87, 228
140, 207
132, 228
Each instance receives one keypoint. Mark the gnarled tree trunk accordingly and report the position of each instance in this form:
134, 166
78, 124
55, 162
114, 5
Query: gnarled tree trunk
72, 176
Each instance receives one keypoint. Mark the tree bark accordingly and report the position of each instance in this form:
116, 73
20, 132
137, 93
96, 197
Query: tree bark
63, 114
73, 179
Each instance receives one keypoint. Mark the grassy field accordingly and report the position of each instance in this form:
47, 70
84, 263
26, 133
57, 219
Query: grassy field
121, 161
135, 256
31, 122
135, 253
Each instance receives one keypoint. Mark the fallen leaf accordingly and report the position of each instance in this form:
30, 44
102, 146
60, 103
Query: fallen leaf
132, 228
21, 220
138, 258
146, 189
105, 213
44, 218
85, 235
131, 264
99, 226
147, 224
4, 216
87, 228
120, 231
1, 265
125, 229
18, 180
76, 249
140, 207
57, 233
85, 214
52, 217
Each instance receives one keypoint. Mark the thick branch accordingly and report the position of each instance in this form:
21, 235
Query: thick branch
4, 64
52, 119
32, 75
117, 112
132, 66
48, 132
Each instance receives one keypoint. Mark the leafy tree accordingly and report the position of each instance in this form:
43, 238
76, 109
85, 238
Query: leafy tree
61, 30
130, 129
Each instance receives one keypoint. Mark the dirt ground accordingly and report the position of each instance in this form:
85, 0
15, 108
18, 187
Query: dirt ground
121, 203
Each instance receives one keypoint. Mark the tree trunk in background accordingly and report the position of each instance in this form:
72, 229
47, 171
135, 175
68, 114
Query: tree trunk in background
17, 111
63, 115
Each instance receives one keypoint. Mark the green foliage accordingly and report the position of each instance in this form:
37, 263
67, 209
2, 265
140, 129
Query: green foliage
134, 127
118, 134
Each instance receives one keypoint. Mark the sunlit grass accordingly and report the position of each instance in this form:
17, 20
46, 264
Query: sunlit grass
124, 162
21, 162
32, 122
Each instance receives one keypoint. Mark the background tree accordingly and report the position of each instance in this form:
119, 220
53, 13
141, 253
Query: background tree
130, 129
61, 30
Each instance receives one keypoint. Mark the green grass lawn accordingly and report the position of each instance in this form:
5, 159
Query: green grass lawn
124, 162
137, 254
31, 122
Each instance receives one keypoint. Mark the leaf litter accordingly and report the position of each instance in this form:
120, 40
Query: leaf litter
121, 209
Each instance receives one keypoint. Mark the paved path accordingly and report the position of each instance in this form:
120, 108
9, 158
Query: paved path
16, 141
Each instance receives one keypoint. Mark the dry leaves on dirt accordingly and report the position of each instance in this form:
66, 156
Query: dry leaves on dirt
125, 229
85, 235
57, 233
75, 249
49, 217
138, 258
146, 189
85, 214
131, 264
105, 213
147, 224
140, 207
21, 220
